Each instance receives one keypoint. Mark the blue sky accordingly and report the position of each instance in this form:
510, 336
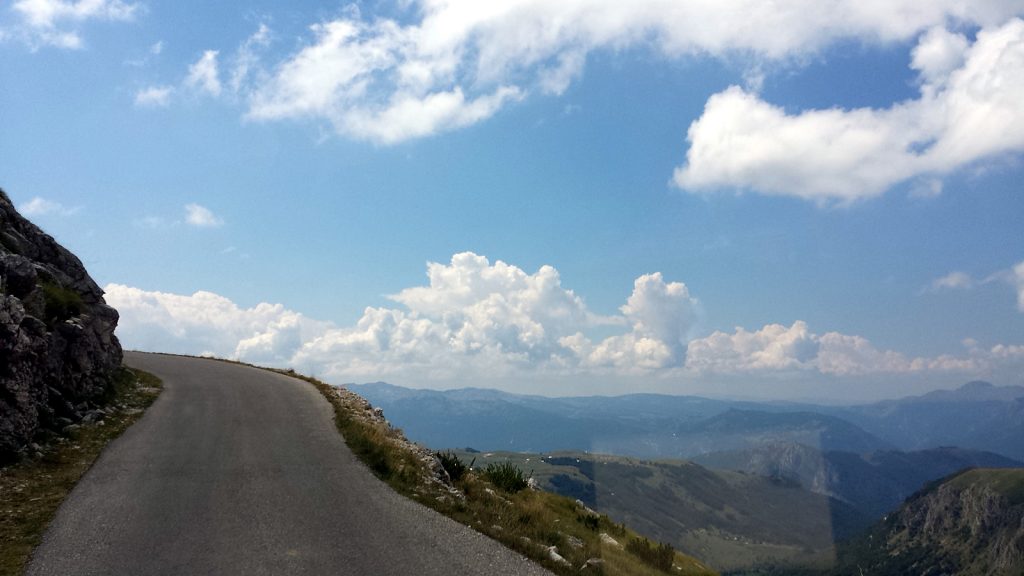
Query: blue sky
786, 200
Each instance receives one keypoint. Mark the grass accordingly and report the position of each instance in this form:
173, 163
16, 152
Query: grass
532, 522
31, 490
1006, 481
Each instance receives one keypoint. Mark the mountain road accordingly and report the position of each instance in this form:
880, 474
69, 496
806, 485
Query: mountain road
236, 470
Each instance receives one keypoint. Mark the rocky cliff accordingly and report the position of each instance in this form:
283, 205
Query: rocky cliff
970, 524
58, 352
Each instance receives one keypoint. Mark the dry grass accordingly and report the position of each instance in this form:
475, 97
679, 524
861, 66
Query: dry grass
31, 490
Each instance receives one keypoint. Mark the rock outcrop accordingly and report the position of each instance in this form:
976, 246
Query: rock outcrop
58, 352
969, 524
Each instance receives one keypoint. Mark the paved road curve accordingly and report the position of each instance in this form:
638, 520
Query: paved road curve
240, 471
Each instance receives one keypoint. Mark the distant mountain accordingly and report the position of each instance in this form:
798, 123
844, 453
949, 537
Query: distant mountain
492, 420
977, 416
731, 520
970, 524
642, 425
739, 429
875, 483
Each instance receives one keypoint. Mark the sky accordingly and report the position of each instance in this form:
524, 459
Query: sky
788, 200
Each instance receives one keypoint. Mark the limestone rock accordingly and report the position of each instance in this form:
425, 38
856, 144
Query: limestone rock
58, 351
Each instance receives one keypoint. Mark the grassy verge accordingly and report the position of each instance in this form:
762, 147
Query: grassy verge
32, 489
555, 531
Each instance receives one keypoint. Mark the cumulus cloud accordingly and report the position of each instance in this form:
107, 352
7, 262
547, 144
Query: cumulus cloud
57, 23
968, 110
154, 96
478, 321
457, 62
201, 217
204, 74
660, 314
473, 318
42, 207
206, 323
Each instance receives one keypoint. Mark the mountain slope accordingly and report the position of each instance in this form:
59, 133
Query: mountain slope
970, 524
728, 519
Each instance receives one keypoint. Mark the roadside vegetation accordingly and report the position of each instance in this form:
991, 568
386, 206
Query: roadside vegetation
500, 501
33, 488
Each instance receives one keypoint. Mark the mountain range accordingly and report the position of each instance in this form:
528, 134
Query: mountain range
977, 415
744, 486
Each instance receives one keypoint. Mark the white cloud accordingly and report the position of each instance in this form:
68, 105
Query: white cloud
154, 96
968, 111
157, 48
477, 321
42, 207
205, 323
57, 22
938, 53
408, 117
204, 74
247, 57
201, 217
780, 349
660, 316
1014, 276
459, 61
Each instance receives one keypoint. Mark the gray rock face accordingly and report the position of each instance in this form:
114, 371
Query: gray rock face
58, 351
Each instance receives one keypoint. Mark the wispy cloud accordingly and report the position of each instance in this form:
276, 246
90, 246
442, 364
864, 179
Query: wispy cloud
204, 74
1013, 276
154, 96
201, 217
58, 23
42, 207
953, 281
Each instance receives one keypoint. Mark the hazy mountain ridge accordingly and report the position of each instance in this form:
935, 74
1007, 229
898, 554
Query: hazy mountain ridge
874, 482
977, 416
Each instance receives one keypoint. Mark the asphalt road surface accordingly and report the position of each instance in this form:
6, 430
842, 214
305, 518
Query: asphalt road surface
235, 470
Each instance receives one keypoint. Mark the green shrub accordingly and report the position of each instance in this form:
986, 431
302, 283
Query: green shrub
657, 556
506, 476
453, 465
61, 303
590, 521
